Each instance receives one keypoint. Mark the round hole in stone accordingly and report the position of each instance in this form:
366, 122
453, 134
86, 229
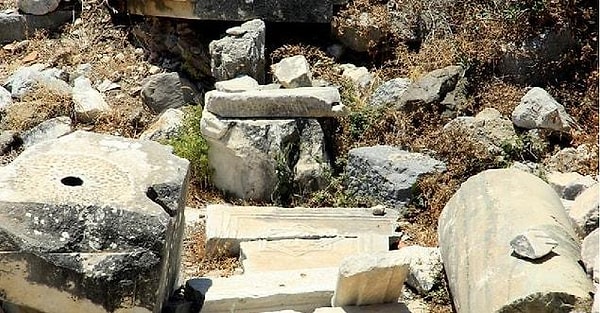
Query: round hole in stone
71, 181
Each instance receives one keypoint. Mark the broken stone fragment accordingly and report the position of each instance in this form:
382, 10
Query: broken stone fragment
47, 130
91, 238
238, 84
277, 103
538, 109
162, 91
293, 72
89, 104
533, 244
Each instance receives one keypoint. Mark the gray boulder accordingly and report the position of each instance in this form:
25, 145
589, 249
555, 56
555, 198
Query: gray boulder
47, 130
387, 174
12, 27
37, 7
431, 88
589, 254
538, 109
390, 92
238, 84
89, 104
27, 79
104, 225
257, 159
162, 91
5, 99
241, 52
166, 127
487, 128
293, 72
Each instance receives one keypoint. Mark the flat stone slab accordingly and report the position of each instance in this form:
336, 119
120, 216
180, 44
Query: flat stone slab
227, 226
376, 308
292, 254
91, 223
276, 103
302, 290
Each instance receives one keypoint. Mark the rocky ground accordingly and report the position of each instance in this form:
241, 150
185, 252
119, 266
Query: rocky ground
431, 96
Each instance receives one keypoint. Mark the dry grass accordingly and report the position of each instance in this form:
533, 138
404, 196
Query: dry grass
195, 254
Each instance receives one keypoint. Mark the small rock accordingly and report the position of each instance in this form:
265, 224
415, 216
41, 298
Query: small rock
5, 99
89, 103
569, 185
37, 7
539, 110
425, 268
335, 50
162, 91
359, 75
390, 92
154, 69
27, 79
107, 85
242, 83
293, 72
379, 210
585, 210
47, 130
589, 254
533, 244
165, 127
431, 88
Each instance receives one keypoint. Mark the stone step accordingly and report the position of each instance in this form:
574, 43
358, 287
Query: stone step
227, 226
301, 290
292, 254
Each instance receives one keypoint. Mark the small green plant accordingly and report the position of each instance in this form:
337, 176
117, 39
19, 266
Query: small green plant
190, 144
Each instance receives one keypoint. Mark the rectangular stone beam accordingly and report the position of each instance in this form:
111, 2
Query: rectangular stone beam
227, 226
291, 254
303, 291
276, 103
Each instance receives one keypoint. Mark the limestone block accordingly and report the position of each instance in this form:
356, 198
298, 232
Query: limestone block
47, 130
360, 76
538, 109
475, 230
162, 91
89, 104
227, 226
589, 254
293, 72
584, 212
37, 7
426, 269
569, 185
91, 223
28, 78
242, 83
302, 290
276, 103
430, 88
389, 93
166, 127
242, 52
372, 278
376, 308
295, 254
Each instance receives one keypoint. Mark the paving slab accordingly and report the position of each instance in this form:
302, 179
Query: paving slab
303, 291
227, 226
374, 278
290, 254
276, 103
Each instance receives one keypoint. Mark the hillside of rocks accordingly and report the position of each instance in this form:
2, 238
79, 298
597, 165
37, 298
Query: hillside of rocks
350, 156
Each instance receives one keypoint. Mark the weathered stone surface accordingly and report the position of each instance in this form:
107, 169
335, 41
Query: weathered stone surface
310, 172
533, 244
165, 127
571, 159
584, 212
277, 103
293, 72
360, 76
15, 26
162, 91
390, 92
47, 130
538, 109
238, 84
5, 99
9, 140
426, 269
589, 254
240, 53
302, 291
37, 7
430, 88
270, 10
487, 128
359, 32
384, 273
376, 308
569, 185
12, 27
102, 231
386, 173
227, 226
89, 104
484, 215
297, 254
28, 78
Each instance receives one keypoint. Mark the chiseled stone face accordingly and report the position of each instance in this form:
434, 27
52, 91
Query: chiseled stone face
91, 223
